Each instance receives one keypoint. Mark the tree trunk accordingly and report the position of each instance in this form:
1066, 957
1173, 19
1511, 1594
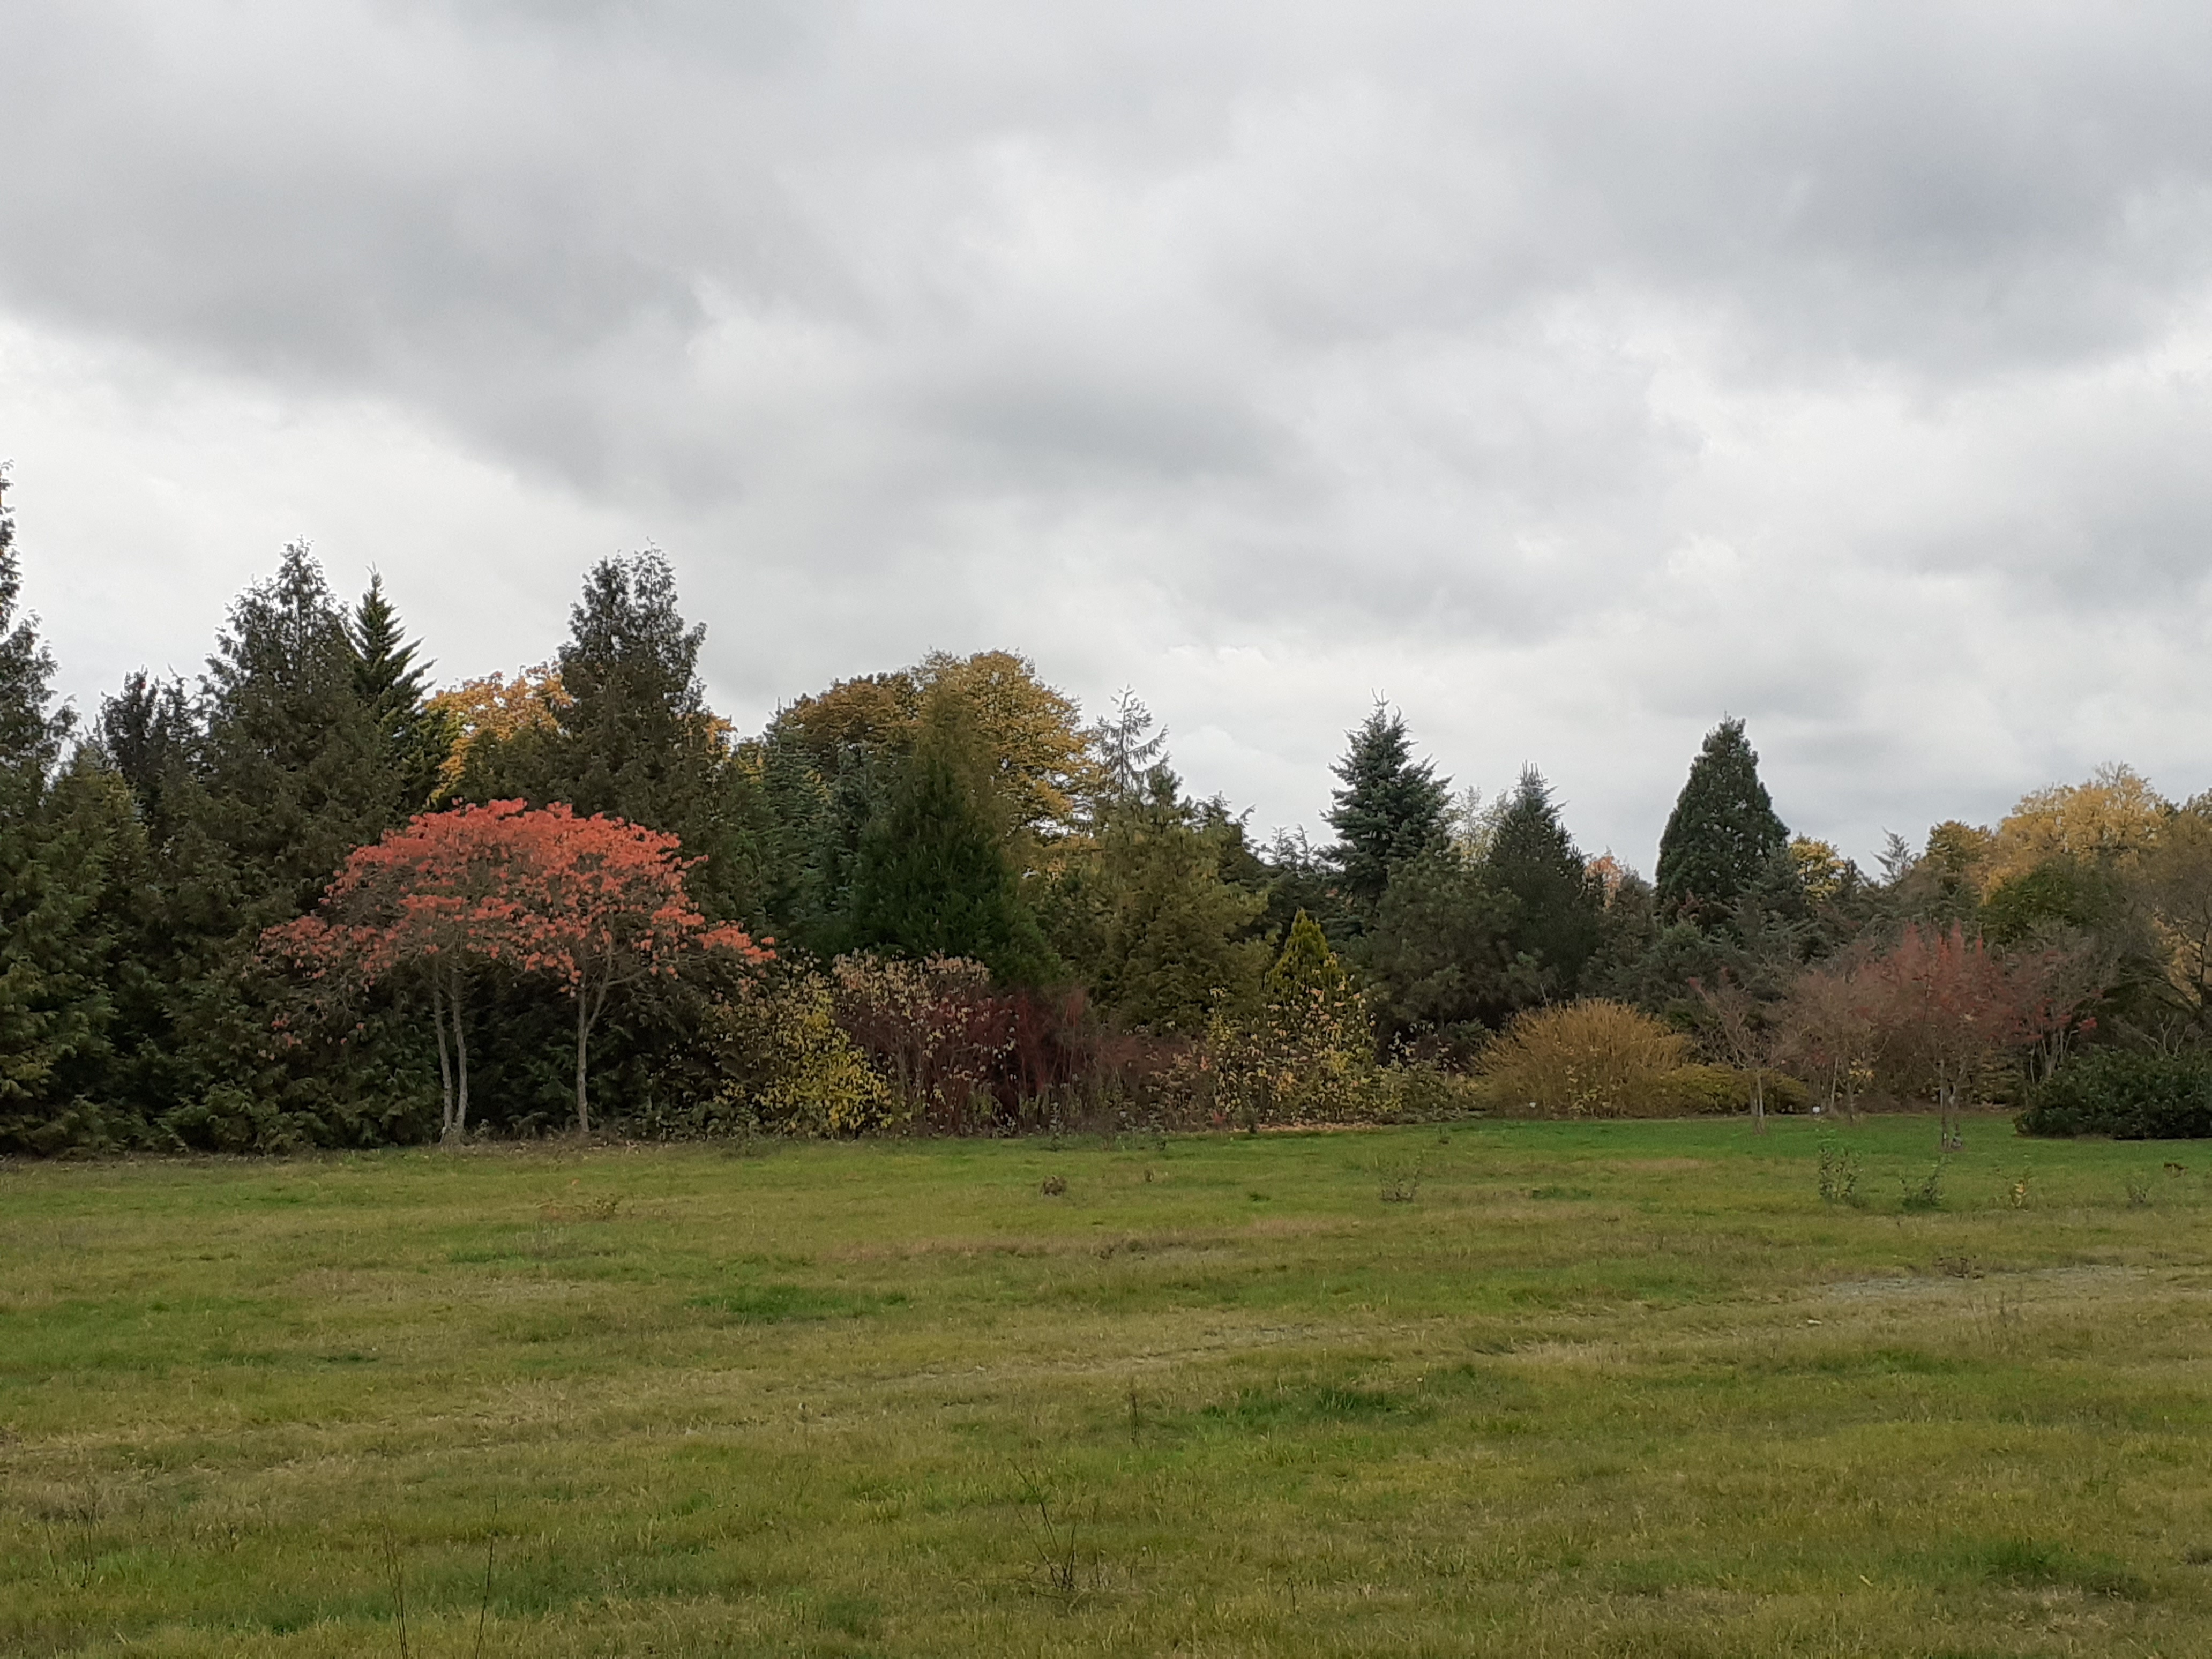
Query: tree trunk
1758, 1100
445, 1060
583, 1041
460, 1126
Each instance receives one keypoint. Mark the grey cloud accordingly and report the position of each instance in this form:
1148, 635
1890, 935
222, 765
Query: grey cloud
1806, 360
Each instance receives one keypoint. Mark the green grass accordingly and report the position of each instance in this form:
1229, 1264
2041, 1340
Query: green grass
1612, 1388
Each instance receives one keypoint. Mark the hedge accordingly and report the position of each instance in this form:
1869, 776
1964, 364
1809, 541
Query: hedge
2129, 1096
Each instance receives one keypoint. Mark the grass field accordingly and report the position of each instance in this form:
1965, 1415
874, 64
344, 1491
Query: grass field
1522, 1389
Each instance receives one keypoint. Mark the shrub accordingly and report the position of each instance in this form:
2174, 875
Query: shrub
2129, 1096
1590, 1059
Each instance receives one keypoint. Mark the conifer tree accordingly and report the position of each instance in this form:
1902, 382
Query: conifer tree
932, 876
1557, 909
631, 735
1306, 965
389, 680
1390, 809
1160, 935
54, 1007
1722, 833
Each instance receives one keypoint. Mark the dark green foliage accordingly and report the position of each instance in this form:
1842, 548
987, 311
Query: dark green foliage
1388, 809
634, 737
1555, 920
1149, 921
1723, 832
1440, 952
391, 682
2059, 894
932, 877
60, 835
2125, 1094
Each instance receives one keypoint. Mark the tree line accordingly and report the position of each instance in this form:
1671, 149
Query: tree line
306, 898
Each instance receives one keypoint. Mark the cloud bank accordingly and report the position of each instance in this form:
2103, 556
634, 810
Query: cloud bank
1568, 375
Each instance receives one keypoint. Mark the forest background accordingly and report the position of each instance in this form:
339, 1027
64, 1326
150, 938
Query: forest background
308, 901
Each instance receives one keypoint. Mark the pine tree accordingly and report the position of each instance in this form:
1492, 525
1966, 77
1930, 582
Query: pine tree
1556, 907
1722, 833
1439, 951
1390, 809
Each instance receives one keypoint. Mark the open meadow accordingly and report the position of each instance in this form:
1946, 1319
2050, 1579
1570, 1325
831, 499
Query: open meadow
1614, 1389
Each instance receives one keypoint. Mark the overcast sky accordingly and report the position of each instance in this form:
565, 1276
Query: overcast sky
1569, 375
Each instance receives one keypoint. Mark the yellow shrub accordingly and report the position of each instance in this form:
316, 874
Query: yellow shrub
1589, 1059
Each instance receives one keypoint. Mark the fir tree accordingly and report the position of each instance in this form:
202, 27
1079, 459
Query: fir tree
392, 684
1390, 809
1722, 833
1557, 907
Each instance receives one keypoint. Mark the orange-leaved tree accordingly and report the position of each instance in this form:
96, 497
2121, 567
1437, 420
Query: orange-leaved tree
594, 903
600, 904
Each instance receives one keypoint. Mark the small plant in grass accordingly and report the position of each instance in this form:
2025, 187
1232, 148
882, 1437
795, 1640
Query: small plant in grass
1840, 1172
1053, 1535
1927, 1196
2138, 1192
2016, 1196
1055, 1185
1400, 1181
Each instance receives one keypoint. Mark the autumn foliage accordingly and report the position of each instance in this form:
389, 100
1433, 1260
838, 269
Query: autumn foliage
590, 904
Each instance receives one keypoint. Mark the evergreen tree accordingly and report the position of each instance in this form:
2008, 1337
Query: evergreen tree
1390, 809
148, 733
1127, 746
1557, 907
632, 735
389, 680
1306, 966
54, 1004
294, 771
1151, 921
1440, 952
932, 877
1722, 833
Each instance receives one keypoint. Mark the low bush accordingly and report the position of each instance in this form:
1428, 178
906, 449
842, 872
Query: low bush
1588, 1059
2129, 1096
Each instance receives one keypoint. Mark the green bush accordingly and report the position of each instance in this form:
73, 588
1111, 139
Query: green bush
1716, 1092
2129, 1096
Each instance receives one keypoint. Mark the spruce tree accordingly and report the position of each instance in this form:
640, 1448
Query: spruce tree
1556, 907
389, 680
1722, 833
1390, 809
1439, 951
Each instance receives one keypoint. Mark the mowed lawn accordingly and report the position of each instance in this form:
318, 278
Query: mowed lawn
1521, 1388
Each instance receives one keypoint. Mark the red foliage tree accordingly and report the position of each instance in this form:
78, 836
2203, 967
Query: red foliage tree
602, 905
594, 903
1945, 1006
